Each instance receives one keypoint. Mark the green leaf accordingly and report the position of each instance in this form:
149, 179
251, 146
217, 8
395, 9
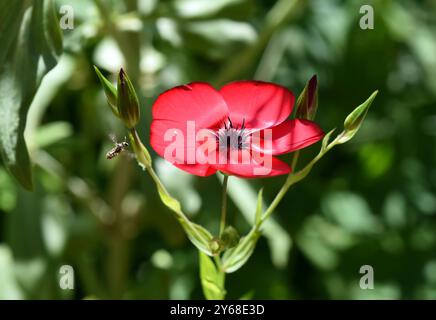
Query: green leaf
167, 200
212, 281
31, 44
199, 236
109, 90
53, 132
354, 120
325, 141
235, 258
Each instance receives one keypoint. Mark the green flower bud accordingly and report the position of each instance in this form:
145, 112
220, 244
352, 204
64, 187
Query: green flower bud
127, 102
230, 237
354, 120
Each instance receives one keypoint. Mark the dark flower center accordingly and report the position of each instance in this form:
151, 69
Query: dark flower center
230, 137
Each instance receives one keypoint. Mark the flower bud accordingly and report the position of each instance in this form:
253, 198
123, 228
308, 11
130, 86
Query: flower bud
127, 102
307, 102
216, 246
354, 120
230, 237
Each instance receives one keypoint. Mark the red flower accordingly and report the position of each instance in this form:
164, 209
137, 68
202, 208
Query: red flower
236, 130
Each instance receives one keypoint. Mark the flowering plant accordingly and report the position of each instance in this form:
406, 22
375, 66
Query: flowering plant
238, 131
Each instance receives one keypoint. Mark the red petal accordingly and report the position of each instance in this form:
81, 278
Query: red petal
257, 165
159, 128
260, 104
289, 136
196, 101
202, 170
185, 157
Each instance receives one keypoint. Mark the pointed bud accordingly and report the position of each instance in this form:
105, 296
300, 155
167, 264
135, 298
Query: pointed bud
109, 90
354, 120
307, 102
127, 103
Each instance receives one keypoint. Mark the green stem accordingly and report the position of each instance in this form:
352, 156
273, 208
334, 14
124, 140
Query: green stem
224, 205
282, 192
144, 159
295, 160
293, 178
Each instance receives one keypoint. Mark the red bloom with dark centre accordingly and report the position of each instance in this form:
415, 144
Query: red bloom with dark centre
237, 130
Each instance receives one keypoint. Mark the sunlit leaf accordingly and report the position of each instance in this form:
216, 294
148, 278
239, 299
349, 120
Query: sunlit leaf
212, 281
235, 258
32, 43
199, 236
109, 90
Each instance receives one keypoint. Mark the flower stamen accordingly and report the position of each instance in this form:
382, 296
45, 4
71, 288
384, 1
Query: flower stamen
229, 137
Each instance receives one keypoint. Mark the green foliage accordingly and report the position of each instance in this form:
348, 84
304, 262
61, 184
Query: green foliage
369, 201
32, 43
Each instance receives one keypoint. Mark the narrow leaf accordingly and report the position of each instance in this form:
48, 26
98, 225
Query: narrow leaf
212, 281
325, 140
199, 236
236, 257
109, 90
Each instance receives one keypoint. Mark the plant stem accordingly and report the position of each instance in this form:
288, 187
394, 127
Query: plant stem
293, 178
144, 159
295, 160
224, 205
274, 203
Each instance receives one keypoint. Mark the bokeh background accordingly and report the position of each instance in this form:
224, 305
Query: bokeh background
371, 201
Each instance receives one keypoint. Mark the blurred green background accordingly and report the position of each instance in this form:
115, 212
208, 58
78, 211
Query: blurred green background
369, 202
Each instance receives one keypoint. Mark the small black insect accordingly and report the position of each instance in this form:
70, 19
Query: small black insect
117, 149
